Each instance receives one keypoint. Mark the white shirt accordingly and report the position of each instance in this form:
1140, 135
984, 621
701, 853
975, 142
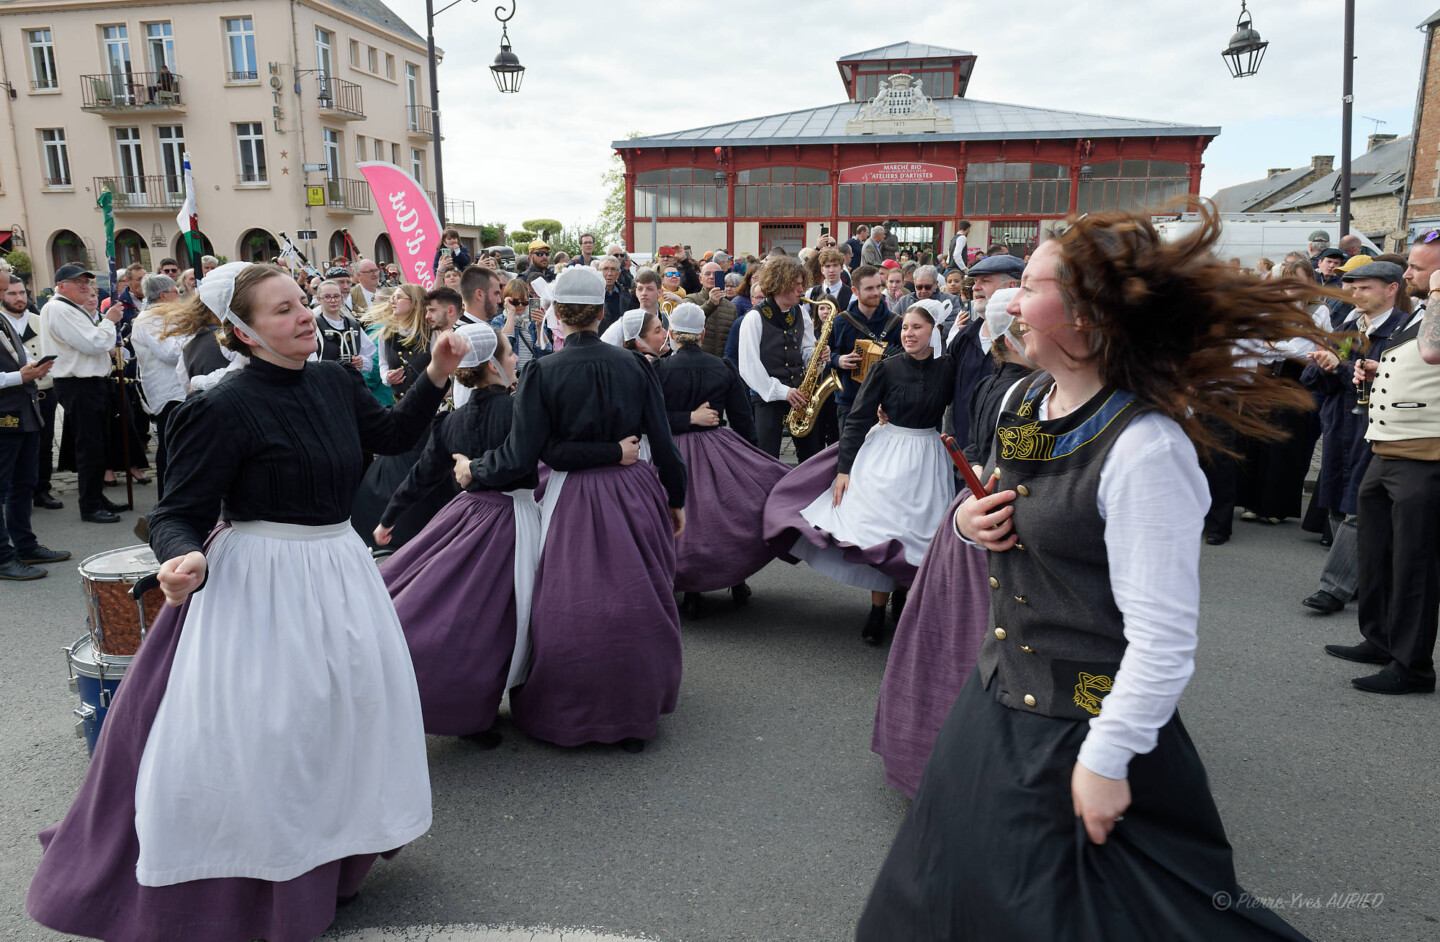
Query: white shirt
156, 359
13, 378
80, 342
1153, 498
753, 371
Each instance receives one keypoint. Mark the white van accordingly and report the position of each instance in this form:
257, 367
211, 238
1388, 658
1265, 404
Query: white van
1252, 236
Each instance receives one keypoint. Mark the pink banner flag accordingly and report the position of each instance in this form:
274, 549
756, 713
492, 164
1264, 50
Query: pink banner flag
409, 218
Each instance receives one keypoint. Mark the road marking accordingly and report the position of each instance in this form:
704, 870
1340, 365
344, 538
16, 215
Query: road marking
477, 933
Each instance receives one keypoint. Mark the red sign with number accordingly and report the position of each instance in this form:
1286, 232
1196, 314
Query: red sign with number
899, 172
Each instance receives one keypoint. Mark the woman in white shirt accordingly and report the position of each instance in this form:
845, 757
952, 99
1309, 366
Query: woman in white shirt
1064, 799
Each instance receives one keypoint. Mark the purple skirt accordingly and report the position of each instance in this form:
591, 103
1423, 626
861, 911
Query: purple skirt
454, 589
784, 524
604, 629
937, 643
729, 482
86, 881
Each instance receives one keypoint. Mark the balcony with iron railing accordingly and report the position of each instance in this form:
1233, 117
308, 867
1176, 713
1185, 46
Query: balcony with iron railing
347, 196
149, 194
420, 122
131, 92
340, 99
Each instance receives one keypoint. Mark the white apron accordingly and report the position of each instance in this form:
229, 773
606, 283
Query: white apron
290, 732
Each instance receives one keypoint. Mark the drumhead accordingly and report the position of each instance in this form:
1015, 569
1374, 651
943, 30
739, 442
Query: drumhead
126, 564
85, 663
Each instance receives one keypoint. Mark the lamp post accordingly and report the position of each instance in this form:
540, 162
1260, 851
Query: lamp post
507, 71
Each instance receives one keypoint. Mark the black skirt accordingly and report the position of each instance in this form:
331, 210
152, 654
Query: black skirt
382, 479
991, 849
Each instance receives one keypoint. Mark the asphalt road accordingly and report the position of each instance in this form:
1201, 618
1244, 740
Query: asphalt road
759, 812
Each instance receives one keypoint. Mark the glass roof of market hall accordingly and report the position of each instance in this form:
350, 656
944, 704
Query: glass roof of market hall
969, 119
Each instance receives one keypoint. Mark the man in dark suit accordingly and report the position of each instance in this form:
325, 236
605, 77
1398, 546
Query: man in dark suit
20, 428
855, 243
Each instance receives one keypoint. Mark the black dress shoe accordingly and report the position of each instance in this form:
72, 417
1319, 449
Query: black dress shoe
690, 605
43, 555
1324, 603
114, 483
1388, 682
16, 571
1216, 539
1364, 653
113, 507
897, 603
632, 745
486, 739
1327, 541
47, 501
101, 516
874, 629
741, 593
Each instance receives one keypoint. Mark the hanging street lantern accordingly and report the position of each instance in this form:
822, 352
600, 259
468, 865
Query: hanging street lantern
506, 68
1242, 57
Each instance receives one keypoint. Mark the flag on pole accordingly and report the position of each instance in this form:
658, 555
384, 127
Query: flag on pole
188, 218
106, 202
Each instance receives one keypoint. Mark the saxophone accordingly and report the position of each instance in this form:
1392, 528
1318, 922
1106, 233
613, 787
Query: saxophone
801, 421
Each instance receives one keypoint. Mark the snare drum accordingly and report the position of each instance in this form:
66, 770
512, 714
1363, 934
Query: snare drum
117, 621
96, 679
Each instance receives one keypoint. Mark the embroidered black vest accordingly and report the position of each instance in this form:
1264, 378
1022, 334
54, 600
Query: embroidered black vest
781, 335
1056, 635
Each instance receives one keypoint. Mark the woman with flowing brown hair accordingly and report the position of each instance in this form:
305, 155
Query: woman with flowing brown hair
1064, 799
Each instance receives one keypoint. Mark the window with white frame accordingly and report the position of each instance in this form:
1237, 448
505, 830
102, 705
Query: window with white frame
324, 40
379, 150
250, 140
57, 156
42, 59
240, 39
417, 165
412, 85
355, 53
332, 153
389, 66
160, 43
171, 138
395, 154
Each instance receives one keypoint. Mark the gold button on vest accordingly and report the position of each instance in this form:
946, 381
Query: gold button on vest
1022, 490
1027, 649
994, 583
1029, 700
1000, 633
1022, 600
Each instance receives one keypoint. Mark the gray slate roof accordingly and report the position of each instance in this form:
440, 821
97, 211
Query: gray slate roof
1240, 197
906, 51
1374, 173
378, 12
974, 121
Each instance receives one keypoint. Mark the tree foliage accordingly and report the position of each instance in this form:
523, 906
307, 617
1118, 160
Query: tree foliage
548, 228
492, 233
610, 227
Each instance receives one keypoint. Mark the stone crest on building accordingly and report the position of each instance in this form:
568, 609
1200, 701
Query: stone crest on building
899, 107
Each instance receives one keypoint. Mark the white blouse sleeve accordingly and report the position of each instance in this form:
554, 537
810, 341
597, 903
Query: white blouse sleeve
1153, 498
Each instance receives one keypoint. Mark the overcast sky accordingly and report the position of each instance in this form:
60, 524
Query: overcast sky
596, 70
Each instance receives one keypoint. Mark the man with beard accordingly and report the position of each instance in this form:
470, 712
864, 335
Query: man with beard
20, 434
991, 274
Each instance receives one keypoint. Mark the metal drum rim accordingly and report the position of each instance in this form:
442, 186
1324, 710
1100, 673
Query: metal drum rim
100, 667
130, 577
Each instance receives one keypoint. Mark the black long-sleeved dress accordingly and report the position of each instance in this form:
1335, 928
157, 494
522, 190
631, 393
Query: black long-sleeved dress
272, 443
481, 424
914, 394
588, 392
690, 378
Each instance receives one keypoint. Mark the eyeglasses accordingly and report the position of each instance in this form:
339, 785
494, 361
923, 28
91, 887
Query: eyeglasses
1429, 237
919, 286
672, 274
169, 271
541, 252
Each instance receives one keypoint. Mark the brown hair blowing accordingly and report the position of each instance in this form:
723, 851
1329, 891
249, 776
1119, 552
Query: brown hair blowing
1166, 319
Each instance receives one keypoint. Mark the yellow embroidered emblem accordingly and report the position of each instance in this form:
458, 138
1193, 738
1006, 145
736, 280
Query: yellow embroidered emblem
9, 421
1024, 442
1086, 692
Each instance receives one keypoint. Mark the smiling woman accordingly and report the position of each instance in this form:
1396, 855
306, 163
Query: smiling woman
216, 830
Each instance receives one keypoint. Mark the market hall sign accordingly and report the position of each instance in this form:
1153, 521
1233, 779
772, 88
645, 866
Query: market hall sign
902, 172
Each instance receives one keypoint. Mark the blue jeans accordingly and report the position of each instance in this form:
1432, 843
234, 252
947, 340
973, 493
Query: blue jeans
19, 465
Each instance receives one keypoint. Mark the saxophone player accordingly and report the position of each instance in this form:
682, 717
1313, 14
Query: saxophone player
777, 339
